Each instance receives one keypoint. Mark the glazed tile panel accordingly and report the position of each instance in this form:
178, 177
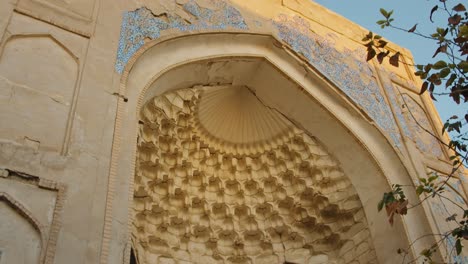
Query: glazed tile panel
425, 142
347, 69
142, 23
445, 208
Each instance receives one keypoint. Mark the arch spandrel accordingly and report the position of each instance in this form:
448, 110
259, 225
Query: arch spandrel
294, 90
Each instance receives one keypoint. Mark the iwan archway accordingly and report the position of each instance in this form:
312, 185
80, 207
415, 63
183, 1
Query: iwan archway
216, 130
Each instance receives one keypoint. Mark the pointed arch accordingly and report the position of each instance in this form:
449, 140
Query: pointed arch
27, 215
318, 107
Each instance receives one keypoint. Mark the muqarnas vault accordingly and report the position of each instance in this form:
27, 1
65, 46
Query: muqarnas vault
208, 131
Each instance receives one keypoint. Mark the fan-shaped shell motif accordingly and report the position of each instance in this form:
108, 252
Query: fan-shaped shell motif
234, 116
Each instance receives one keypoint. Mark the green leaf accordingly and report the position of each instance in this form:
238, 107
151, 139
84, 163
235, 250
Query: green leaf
433, 178
427, 253
463, 30
428, 67
463, 66
381, 22
419, 190
444, 72
451, 80
380, 205
440, 30
458, 246
439, 65
384, 12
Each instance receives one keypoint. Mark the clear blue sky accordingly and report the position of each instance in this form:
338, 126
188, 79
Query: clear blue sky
406, 14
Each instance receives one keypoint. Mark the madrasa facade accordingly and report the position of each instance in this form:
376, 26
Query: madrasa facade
208, 131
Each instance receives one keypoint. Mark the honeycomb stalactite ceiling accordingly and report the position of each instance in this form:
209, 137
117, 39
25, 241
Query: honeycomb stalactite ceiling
203, 195
231, 119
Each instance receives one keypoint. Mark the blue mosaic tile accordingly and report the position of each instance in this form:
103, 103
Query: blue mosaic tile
450, 244
347, 69
352, 74
424, 141
440, 211
396, 104
141, 23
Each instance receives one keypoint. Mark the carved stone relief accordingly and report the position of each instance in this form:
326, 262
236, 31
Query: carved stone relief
222, 178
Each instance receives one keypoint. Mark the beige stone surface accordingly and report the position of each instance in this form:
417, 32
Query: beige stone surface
75, 16
75, 76
20, 242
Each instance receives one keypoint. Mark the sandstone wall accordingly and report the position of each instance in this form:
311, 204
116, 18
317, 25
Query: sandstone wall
61, 69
